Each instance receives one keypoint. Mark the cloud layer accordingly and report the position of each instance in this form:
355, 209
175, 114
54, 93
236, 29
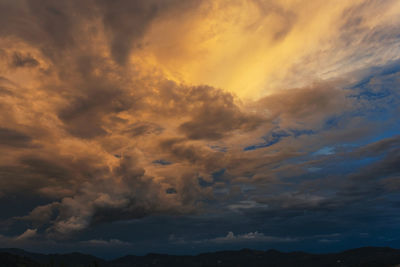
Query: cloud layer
116, 111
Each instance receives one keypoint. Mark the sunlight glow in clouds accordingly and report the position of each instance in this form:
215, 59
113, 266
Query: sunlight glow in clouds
254, 47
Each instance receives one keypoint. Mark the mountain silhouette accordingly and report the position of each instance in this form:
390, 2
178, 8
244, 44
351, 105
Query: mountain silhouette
360, 257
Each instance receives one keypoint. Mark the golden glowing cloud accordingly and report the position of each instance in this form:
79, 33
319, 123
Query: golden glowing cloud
252, 48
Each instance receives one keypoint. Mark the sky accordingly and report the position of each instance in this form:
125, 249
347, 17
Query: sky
133, 126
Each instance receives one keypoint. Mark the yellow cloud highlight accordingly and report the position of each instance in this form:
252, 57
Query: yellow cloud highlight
252, 48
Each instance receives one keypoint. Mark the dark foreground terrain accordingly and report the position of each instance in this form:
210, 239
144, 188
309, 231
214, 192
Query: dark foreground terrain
367, 256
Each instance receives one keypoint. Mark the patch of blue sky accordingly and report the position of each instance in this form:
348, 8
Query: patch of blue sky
374, 113
378, 92
382, 72
217, 175
372, 95
386, 123
270, 139
377, 99
391, 68
332, 122
300, 132
393, 131
258, 146
162, 162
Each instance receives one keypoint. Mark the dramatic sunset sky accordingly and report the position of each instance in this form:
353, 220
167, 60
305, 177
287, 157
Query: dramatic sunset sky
183, 126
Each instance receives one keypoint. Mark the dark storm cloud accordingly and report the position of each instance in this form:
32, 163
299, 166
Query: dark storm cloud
182, 151
91, 193
331, 193
13, 138
378, 148
49, 25
216, 116
54, 20
54, 26
24, 60
126, 22
103, 200
370, 181
143, 128
47, 174
95, 199
5, 91
305, 103
83, 116
85, 189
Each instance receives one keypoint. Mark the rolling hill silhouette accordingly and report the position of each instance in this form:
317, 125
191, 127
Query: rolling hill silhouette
360, 257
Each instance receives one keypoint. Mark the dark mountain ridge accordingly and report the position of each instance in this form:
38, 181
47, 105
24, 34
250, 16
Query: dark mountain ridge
360, 257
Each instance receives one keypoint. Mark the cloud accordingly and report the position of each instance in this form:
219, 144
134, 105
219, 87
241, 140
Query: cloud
24, 60
122, 110
13, 138
266, 34
133, 196
217, 116
250, 237
231, 238
28, 234
246, 204
105, 243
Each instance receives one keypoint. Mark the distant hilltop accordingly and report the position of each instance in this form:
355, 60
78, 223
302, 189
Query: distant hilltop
360, 257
